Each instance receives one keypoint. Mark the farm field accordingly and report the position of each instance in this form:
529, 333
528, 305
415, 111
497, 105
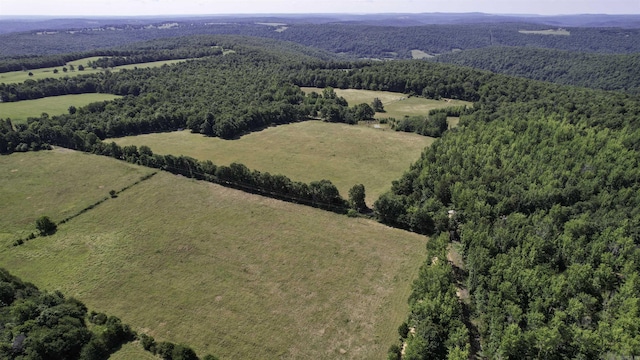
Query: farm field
46, 183
19, 111
21, 76
229, 273
396, 105
306, 151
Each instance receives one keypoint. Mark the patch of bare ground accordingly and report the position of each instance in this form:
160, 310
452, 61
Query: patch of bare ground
455, 259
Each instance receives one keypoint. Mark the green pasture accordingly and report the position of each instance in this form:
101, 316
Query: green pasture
13, 77
229, 273
306, 151
396, 105
19, 111
21, 76
48, 183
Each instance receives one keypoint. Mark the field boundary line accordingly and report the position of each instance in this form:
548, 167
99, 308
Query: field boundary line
112, 195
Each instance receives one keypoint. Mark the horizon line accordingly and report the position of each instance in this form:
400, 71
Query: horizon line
305, 14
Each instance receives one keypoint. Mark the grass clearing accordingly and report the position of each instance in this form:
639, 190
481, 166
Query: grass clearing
229, 273
396, 105
560, 31
19, 111
419, 54
414, 106
13, 77
358, 96
21, 76
132, 351
306, 151
48, 183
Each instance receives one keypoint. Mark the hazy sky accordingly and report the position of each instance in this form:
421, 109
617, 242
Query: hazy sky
206, 7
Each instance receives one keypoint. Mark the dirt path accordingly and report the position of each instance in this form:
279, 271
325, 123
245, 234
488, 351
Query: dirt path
460, 275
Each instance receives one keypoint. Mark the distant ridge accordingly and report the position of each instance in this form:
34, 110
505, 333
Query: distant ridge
10, 24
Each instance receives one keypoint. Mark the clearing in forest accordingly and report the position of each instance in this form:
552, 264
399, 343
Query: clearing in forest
229, 273
396, 105
419, 54
306, 151
19, 111
559, 31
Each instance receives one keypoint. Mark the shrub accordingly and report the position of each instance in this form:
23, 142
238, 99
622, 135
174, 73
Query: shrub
46, 226
394, 353
148, 342
403, 330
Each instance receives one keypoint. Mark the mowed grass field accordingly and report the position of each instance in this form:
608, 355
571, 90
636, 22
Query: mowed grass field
306, 151
229, 273
396, 105
20, 76
43, 183
19, 111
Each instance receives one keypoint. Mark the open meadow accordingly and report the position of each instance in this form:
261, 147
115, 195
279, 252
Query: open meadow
306, 151
19, 111
42, 73
396, 105
46, 183
233, 274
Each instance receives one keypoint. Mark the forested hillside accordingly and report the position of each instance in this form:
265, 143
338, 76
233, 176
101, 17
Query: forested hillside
544, 183
355, 40
600, 71
543, 180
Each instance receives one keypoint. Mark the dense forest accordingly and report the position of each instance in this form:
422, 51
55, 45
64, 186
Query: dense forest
544, 183
355, 40
542, 179
620, 72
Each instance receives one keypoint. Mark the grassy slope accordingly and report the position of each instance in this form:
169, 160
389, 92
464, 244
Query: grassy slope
306, 151
230, 273
19, 111
20, 76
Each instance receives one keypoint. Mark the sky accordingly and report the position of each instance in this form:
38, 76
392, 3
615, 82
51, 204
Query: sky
212, 7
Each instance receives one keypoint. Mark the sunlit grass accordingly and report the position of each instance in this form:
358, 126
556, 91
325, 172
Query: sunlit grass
396, 105
229, 273
19, 111
306, 151
21, 76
